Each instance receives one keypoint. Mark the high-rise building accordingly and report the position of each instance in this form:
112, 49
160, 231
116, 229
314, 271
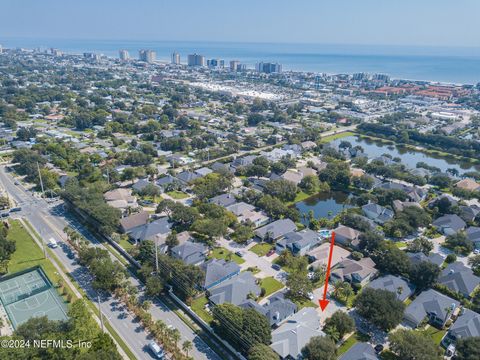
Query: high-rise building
92, 56
196, 60
56, 52
175, 58
216, 63
1, 48
124, 55
147, 56
234, 65
268, 68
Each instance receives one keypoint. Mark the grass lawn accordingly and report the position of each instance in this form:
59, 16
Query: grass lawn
222, 253
198, 305
305, 303
336, 136
408, 301
125, 244
435, 334
28, 253
352, 340
299, 197
178, 195
400, 244
261, 249
270, 285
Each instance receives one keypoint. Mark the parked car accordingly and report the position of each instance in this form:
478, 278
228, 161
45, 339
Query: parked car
239, 253
156, 350
378, 348
276, 267
271, 252
16, 209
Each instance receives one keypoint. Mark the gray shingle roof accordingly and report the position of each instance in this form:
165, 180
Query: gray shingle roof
433, 258
218, 270
276, 229
467, 325
459, 278
191, 253
159, 227
452, 221
295, 333
235, 290
360, 351
427, 302
223, 200
393, 284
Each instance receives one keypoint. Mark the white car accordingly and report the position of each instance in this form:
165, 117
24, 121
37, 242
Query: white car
52, 243
156, 350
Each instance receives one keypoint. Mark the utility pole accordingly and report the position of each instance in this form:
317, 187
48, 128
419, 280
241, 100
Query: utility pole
41, 181
100, 311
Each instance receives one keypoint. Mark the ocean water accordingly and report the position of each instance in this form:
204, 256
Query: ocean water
450, 65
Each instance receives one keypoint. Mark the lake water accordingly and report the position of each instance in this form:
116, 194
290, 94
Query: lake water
324, 205
409, 157
454, 65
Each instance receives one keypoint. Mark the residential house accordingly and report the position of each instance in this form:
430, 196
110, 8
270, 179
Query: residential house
298, 242
360, 351
203, 171
129, 223
120, 198
434, 258
187, 177
431, 305
347, 236
140, 185
469, 213
168, 182
449, 224
468, 184
278, 309
352, 271
190, 253
400, 287
466, 325
275, 230
473, 233
217, 271
235, 290
292, 176
242, 161
318, 257
459, 278
377, 213
156, 231
245, 212
223, 200
289, 339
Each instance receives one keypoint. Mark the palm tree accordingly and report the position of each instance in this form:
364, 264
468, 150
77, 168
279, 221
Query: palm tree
175, 335
346, 291
333, 333
337, 288
187, 346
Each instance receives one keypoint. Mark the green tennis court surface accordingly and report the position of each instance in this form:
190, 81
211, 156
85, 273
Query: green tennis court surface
30, 294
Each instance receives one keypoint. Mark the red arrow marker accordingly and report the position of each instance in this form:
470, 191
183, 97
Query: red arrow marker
324, 302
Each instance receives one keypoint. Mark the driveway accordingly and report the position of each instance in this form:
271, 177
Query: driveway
251, 259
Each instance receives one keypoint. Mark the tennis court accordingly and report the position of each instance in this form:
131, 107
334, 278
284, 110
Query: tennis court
30, 294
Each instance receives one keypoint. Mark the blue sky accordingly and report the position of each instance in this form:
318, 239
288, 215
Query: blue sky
378, 22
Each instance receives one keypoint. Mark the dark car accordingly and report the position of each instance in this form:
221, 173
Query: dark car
16, 209
71, 255
276, 267
378, 348
271, 252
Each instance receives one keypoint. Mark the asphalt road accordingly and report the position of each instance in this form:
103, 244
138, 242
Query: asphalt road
49, 220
